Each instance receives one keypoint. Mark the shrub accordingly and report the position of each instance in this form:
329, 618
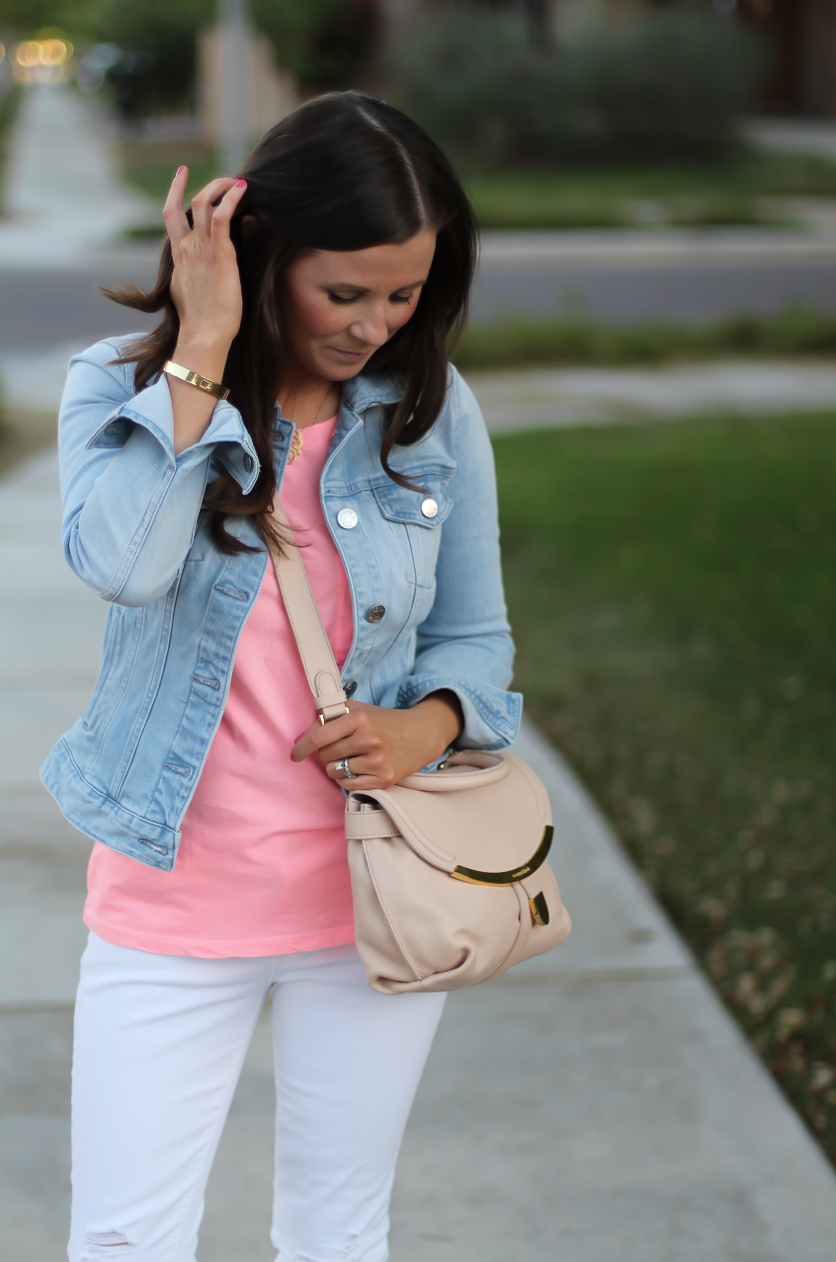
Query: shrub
321, 41
527, 343
661, 88
462, 74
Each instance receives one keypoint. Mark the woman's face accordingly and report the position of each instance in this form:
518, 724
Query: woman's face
340, 306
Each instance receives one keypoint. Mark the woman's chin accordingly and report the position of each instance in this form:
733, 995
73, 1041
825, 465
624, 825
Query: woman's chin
340, 369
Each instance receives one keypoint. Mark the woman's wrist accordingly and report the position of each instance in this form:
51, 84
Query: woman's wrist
203, 353
444, 711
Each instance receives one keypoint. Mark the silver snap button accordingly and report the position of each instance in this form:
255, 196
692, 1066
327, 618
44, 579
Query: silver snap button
347, 518
429, 507
375, 613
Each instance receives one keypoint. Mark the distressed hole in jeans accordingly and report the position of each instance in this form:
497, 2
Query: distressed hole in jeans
105, 1244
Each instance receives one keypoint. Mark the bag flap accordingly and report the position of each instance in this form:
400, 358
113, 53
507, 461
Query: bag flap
493, 827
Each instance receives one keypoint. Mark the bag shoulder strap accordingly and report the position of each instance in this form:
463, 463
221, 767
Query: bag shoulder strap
314, 647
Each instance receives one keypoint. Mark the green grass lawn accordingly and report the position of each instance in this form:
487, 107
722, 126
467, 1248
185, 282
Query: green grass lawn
517, 342
24, 434
673, 596
721, 194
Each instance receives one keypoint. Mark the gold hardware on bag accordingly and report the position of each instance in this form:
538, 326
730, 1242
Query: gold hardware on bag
475, 877
539, 909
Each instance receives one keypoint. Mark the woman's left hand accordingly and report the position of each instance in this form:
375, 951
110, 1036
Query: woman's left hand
383, 745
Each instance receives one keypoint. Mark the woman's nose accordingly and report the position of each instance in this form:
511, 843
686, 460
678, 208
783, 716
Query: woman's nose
371, 328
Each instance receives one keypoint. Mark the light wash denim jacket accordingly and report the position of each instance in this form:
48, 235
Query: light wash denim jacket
133, 530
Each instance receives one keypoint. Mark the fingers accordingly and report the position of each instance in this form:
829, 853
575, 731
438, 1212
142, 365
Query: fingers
204, 208
214, 204
174, 213
318, 736
228, 205
364, 776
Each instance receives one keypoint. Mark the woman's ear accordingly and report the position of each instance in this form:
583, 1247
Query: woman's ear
248, 226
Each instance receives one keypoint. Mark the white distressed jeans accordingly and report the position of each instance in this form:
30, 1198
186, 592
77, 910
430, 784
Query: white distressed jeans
159, 1045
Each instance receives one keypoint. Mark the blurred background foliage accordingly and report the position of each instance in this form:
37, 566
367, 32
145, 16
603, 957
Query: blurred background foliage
325, 43
482, 79
630, 124
321, 41
660, 88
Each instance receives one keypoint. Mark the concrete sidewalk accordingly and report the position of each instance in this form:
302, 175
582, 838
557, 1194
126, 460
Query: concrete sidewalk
598, 1105
539, 398
64, 201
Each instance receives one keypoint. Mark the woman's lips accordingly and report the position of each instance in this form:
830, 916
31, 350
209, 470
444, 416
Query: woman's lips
351, 356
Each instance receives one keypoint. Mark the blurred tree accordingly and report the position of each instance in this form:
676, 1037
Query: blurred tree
158, 38
81, 19
165, 32
665, 87
321, 41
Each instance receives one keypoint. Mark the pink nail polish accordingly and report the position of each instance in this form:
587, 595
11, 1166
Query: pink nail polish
179, 169
241, 184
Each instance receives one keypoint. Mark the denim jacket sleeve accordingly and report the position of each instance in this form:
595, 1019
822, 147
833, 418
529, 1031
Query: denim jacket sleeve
130, 506
465, 644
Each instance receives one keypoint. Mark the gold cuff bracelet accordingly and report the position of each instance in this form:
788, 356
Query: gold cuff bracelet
195, 379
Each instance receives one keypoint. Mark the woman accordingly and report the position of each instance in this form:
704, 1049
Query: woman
329, 278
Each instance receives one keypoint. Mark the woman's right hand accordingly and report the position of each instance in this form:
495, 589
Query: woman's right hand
205, 288
206, 291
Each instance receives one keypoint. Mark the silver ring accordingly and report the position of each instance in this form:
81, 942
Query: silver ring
343, 767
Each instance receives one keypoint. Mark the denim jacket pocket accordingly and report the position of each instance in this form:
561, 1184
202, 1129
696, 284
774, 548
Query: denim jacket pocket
421, 514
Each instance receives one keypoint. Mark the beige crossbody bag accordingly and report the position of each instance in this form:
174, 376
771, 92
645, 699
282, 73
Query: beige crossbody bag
448, 868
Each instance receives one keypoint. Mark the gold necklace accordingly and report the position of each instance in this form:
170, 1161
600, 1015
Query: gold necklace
296, 443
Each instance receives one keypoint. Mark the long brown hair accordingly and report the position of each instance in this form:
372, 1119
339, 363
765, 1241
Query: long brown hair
342, 172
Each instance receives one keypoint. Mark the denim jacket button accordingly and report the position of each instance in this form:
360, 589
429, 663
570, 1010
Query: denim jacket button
347, 518
248, 463
350, 688
375, 613
429, 507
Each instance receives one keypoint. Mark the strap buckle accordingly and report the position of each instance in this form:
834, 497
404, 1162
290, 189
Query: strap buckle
322, 718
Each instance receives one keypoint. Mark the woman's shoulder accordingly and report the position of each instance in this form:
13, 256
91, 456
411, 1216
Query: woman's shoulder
461, 400
460, 406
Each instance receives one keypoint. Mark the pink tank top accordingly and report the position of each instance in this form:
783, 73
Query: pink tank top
262, 866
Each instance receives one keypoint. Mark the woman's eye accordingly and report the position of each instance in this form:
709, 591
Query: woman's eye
340, 301
407, 298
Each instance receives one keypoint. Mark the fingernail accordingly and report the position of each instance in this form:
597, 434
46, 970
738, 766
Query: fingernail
179, 169
241, 184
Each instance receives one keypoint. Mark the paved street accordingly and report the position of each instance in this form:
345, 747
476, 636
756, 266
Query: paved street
633, 290
40, 309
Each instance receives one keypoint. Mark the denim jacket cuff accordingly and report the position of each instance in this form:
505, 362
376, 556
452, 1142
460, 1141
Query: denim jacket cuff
491, 715
226, 435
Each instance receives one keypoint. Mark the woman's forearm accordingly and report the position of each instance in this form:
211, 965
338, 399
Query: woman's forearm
192, 408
